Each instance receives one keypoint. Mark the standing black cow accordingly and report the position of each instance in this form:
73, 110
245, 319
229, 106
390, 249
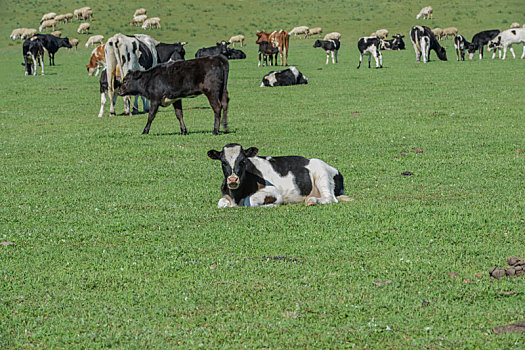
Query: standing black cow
219, 49
169, 82
51, 44
479, 40
174, 52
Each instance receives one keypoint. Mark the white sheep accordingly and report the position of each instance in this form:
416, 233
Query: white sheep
438, 32
28, 33
426, 12
138, 20
382, 33
51, 23
237, 39
73, 42
452, 31
300, 30
47, 17
78, 12
17, 33
57, 33
515, 25
333, 35
83, 28
95, 39
316, 31
138, 12
150, 22
69, 17
87, 14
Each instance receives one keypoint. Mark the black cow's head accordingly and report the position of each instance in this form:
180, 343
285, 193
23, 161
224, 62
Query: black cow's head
130, 84
223, 45
65, 43
442, 53
317, 43
494, 43
234, 160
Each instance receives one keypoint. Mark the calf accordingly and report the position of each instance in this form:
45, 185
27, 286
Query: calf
505, 40
424, 40
97, 60
33, 49
104, 88
287, 77
278, 39
169, 82
461, 45
234, 54
219, 49
396, 43
173, 52
479, 40
253, 181
267, 50
51, 44
330, 46
370, 46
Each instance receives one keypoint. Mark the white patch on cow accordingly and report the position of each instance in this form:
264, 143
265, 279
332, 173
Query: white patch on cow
322, 177
231, 154
167, 101
271, 79
295, 72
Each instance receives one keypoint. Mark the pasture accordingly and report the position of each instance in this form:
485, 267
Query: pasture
110, 238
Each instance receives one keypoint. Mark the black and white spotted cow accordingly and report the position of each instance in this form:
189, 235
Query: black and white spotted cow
370, 46
254, 181
461, 45
396, 43
330, 46
505, 40
290, 76
481, 39
33, 49
424, 40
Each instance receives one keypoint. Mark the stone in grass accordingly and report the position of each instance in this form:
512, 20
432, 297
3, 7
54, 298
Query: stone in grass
497, 272
407, 173
511, 328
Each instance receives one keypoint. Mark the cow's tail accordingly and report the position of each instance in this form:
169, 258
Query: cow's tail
417, 39
226, 71
344, 198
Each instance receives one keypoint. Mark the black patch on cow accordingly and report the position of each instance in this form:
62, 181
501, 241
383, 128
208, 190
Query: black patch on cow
134, 46
146, 57
124, 58
513, 32
110, 43
338, 182
285, 78
295, 165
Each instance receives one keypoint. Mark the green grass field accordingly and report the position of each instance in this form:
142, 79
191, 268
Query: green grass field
113, 239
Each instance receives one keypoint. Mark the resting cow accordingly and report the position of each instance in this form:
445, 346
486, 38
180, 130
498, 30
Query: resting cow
219, 49
168, 83
234, 54
263, 181
287, 77
396, 43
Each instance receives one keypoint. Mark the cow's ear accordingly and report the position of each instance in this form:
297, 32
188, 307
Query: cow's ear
213, 154
251, 152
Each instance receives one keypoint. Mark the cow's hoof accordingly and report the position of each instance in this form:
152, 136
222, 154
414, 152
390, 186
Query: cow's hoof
112, 114
226, 129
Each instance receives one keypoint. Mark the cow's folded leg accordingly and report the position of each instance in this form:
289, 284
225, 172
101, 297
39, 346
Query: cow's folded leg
225, 202
267, 196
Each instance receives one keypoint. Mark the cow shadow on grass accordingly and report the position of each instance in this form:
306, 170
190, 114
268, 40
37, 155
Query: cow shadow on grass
190, 132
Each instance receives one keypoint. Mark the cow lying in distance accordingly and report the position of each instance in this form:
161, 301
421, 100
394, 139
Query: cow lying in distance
330, 46
505, 40
219, 49
479, 40
253, 181
396, 43
234, 54
33, 49
168, 83
287, 77
370, 46
461, 45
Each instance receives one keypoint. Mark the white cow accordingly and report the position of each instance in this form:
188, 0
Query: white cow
506, 39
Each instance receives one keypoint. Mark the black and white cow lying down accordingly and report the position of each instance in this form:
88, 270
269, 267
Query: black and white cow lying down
330, 46
287, 77
253, 181
370, 46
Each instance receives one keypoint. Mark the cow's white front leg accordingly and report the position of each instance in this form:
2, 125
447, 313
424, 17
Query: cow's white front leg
512, 52
102, 103
333, 58
523, 54
327, 56
267, 196
504, 52
225, 202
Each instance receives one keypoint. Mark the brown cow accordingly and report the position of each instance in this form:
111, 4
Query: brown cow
278, 39
98, 59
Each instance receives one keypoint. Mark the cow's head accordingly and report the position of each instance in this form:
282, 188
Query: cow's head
442, 53
130, 84
262, 36
65, 43
223, 45
317, 43
234, 160
494, 43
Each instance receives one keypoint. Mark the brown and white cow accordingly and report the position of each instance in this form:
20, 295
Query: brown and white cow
97, 60
279, 39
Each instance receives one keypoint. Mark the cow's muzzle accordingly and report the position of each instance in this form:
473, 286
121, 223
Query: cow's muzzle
233, 182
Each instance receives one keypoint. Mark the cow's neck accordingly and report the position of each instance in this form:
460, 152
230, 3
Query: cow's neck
250, 184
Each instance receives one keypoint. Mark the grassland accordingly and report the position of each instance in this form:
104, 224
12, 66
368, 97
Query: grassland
115, 239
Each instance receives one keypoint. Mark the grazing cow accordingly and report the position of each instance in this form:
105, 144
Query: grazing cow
97, 60
370, 46
129, 53
169, 82
479, 40
104, 88
461, 45
173, 52
299, 31
330, 46
423, 40
219, 49
279, 39
95, 39
426, 12
234, 54
237, 39
51, 44
253, 181
505, 40
396, 43
287, 77
33, 49
267, 50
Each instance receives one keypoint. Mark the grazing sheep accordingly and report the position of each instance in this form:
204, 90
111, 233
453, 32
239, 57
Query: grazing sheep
150, 22
237, 39
17, 33
438, 32
61, 18
515, 25
47, 17
452, 31
300, 30
382, 33
87, 14
48, 24
95, 39
426, 12
83, 28
28, 33
78, 13
69, 17
138, 20
333, 35
138, 12
74, 43
316, 31
57, 33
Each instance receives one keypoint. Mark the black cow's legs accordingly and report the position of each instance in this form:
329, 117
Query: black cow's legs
177, 105
152, 113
